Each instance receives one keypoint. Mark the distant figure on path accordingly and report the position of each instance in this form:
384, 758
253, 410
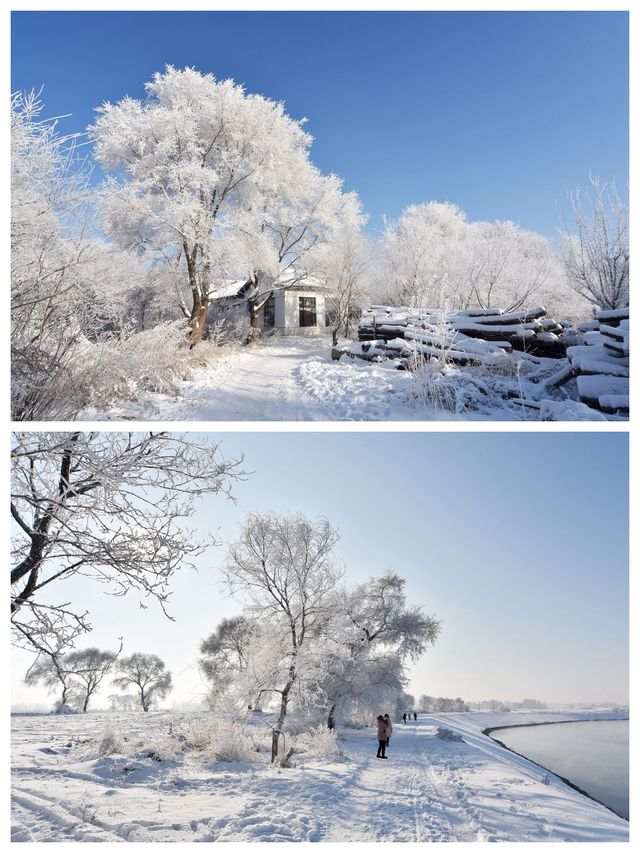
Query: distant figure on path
415, 717
404, 718
387, 720
382, 736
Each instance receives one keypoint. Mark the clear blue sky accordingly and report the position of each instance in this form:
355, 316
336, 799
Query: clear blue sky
517, 541
500, 113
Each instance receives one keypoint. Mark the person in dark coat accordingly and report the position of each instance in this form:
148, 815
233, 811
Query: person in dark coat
415, 717
404, 718
387, 720
382, 736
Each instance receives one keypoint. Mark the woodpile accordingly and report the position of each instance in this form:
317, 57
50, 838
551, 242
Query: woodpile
465, 336
601, 364
594, 355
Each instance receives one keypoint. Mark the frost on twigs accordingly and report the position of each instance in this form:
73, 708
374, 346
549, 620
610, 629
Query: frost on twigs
113, 507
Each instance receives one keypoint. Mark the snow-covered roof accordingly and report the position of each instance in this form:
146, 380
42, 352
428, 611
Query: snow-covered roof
233, 287
229, 289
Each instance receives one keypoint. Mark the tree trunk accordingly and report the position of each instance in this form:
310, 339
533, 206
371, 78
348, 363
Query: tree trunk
331, 723
283, 713
86, 703
198, 320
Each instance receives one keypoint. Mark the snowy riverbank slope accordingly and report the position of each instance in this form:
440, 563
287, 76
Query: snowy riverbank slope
430, 789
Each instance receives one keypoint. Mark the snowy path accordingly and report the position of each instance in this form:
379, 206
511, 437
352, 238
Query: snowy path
429, 789
284, 379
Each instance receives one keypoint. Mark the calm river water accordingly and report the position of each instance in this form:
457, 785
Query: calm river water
592, 755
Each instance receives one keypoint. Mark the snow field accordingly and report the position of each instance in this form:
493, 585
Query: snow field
430, 789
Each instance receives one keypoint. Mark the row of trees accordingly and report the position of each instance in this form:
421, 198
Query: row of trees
207, 183
78, 675
441, 704
304, 640
433, 256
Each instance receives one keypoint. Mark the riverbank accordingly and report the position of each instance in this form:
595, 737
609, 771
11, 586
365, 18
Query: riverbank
445, 780
591, 756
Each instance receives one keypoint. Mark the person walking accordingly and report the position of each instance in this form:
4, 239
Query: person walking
415, 717
387, 720
404, 718
382, 736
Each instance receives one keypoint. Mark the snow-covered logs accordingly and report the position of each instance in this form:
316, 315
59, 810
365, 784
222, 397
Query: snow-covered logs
601, 364
468, 335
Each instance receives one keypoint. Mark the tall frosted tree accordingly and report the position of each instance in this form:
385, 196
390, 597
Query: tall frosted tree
211, 178
285, 566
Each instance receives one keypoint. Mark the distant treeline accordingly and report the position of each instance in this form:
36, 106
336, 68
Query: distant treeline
431, 704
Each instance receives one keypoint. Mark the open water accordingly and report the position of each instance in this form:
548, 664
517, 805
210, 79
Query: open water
592, 755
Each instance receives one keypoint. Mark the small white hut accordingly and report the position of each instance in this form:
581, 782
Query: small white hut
292, 308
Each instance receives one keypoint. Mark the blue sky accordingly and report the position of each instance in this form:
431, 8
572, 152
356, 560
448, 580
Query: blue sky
518, 542
500, 113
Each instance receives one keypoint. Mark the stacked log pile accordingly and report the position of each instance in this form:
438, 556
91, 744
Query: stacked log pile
453, 333
601, 364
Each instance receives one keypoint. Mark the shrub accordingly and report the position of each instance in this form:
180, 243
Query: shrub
218, 739
112, 743
319, 741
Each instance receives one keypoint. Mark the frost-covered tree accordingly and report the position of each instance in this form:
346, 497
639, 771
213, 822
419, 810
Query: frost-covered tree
380, 631
432, 257
417, 254
49, 251
88, 668
148, 674
405, 703
292, 237
285, 566
595, 245
108, 506
51, 672
380, 613
225, 653
344, 267
213, 179
505, 267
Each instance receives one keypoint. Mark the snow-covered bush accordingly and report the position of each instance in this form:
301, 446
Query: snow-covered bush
217, 738
113, 742
101, 374
319, 741
436, 385
236, 744
65, 708
444, 733
226, 325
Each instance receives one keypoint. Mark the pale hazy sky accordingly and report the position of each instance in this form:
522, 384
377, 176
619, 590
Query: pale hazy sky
518, 542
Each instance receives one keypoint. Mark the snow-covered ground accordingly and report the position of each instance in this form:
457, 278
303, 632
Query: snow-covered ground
295, 379
430, 789
279, 379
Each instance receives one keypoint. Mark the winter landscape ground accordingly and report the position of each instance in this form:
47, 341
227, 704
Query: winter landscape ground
295, 379
117, 777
